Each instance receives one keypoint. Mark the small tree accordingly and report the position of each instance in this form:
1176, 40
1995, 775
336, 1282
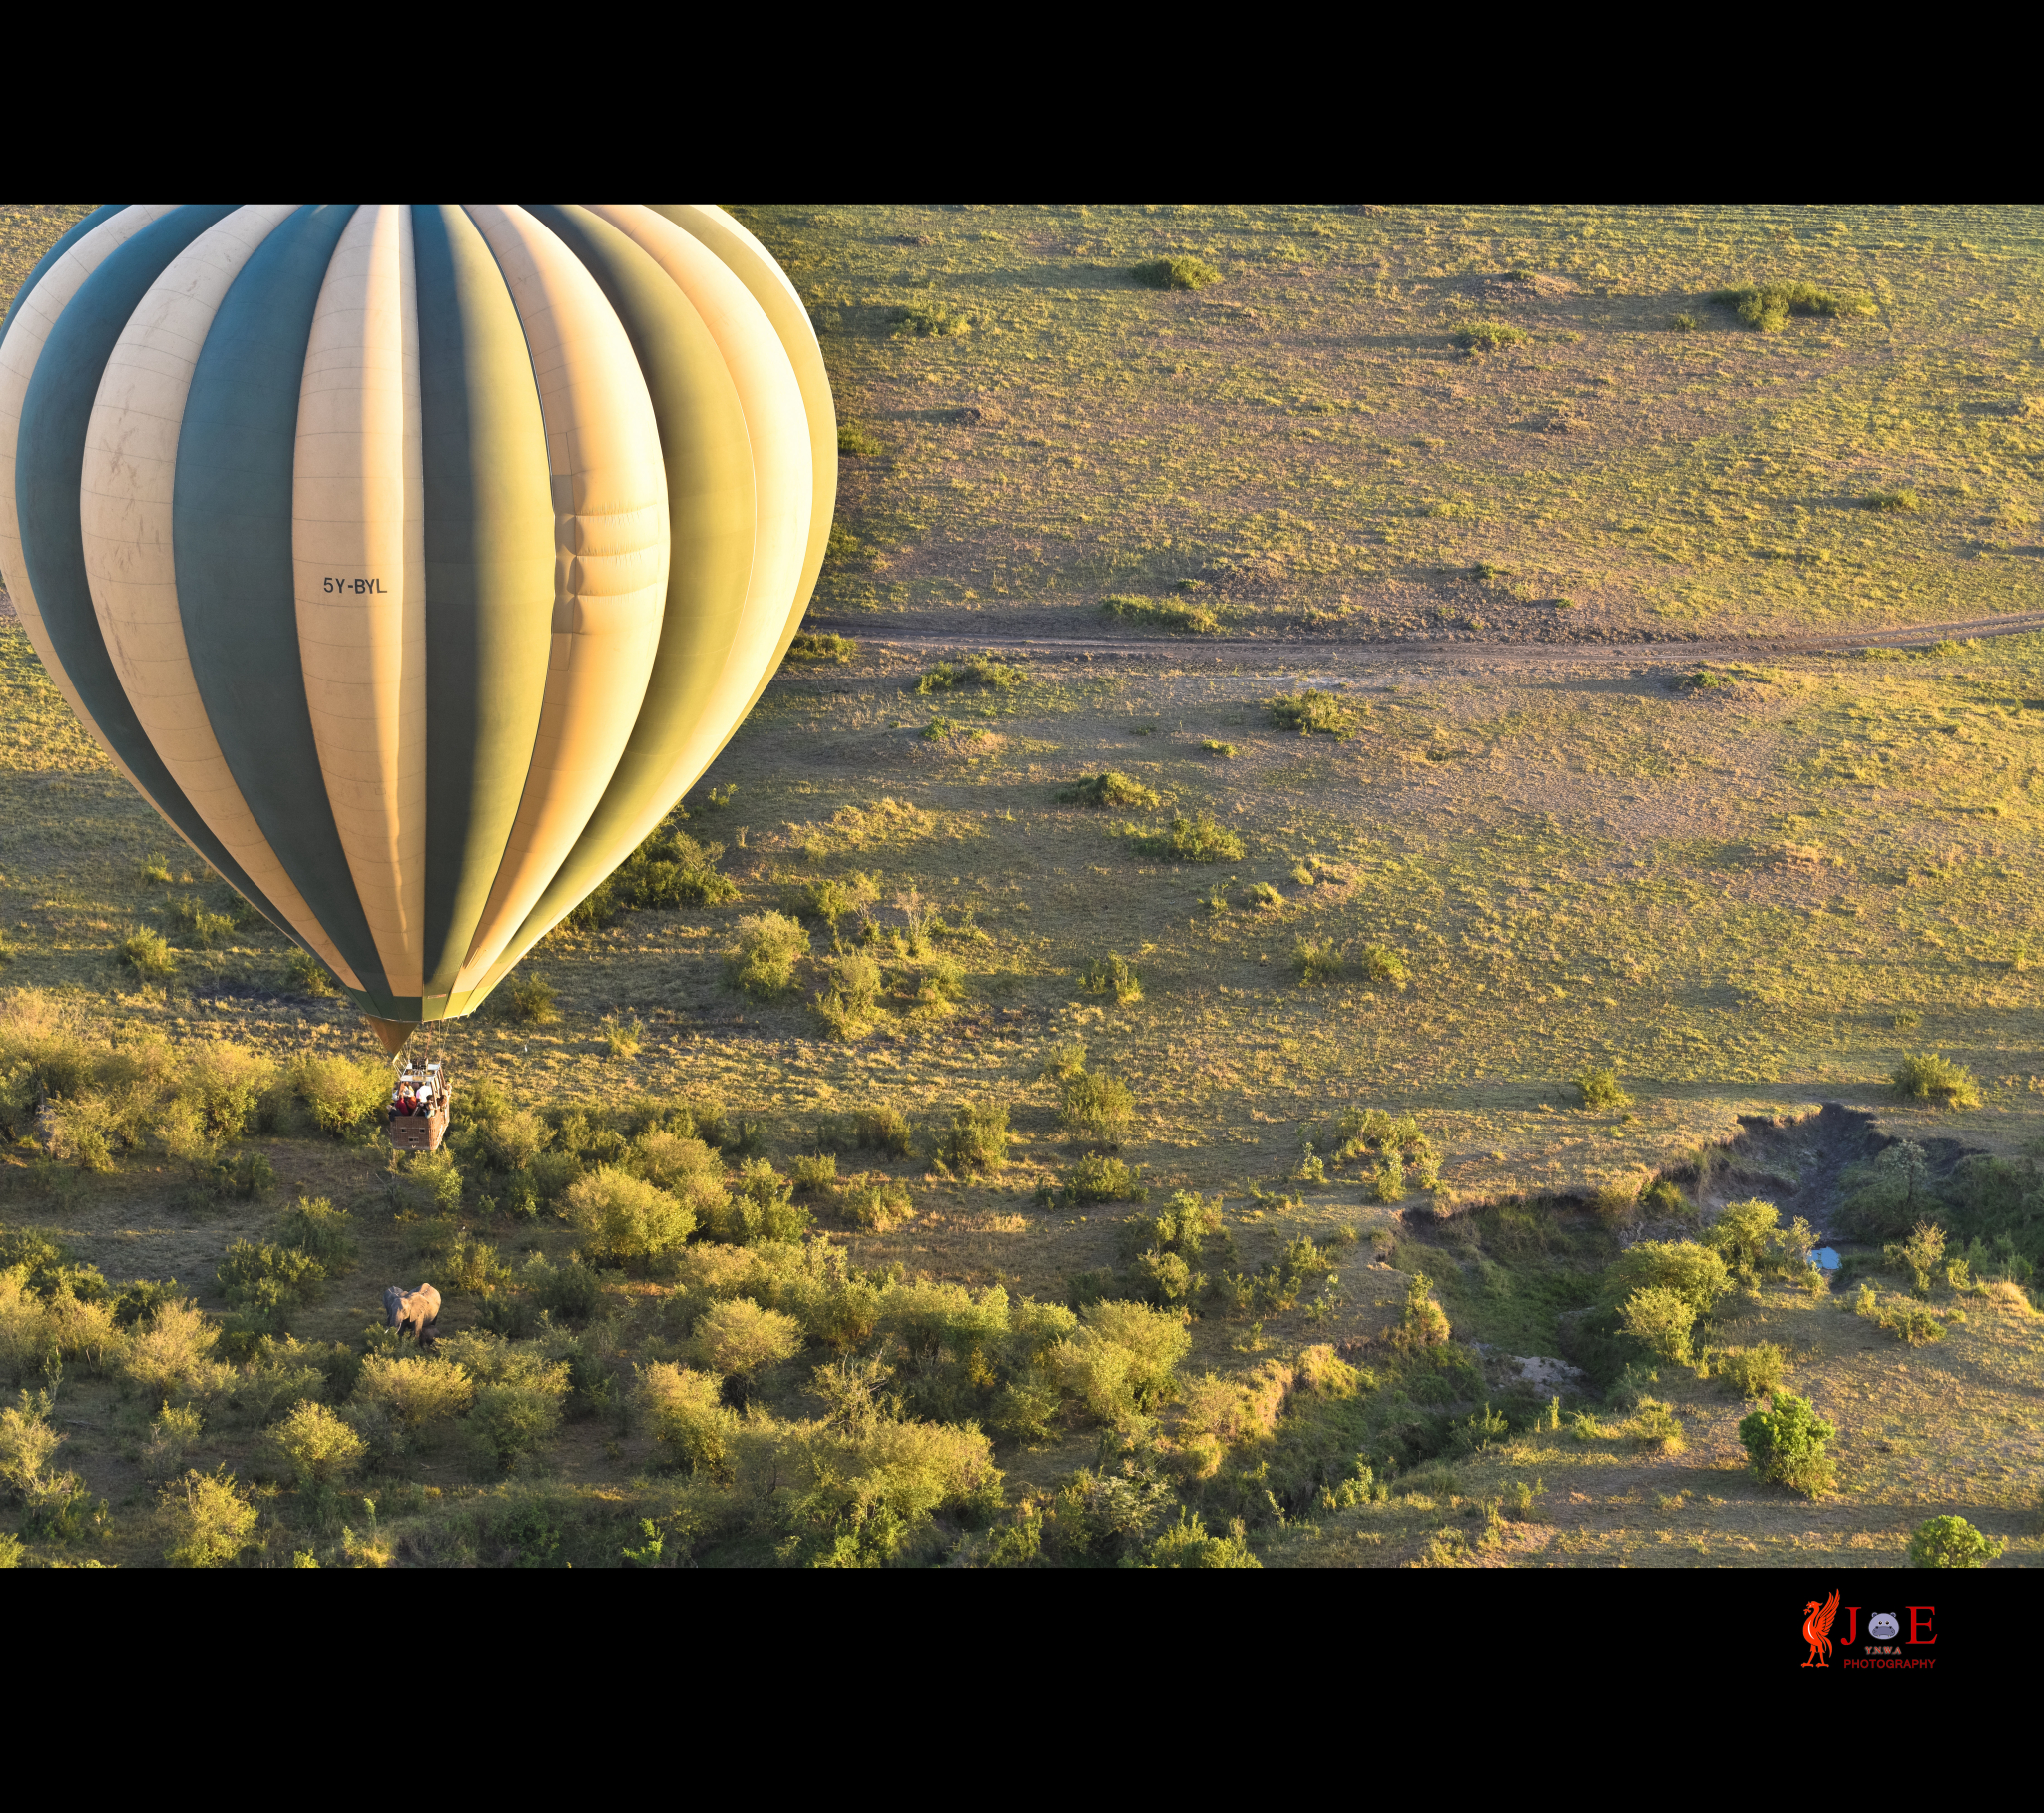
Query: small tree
1786, 1444
1693, 1272
318, 1445
210, 1522
1660, 1319
977, 1139
1951, 1541
629, 1221
739, 1339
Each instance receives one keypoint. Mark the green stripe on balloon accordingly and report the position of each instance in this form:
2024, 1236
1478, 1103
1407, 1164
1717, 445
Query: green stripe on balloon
707, 452
489, 532
230, 528
50, 462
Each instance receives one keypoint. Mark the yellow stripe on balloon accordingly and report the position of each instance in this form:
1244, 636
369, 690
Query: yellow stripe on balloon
779, 429
23, 346
754, 266
359, 559
125, 498
610, 558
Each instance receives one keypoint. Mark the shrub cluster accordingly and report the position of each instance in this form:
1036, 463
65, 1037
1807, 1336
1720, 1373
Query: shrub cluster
1180, 616
1109, 789
1195, 839
982, 671
1785, 1444
1488, 336
811, 645
1393, 1148
1932, 1076
1766, 307
668, 871
1314, 713
1111, 975
1182, 272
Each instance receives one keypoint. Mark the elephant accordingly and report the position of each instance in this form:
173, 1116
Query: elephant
415, 1311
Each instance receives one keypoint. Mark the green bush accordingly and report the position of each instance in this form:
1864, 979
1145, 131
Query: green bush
1122, 1357
319, 1447
762, 962
850, 1005
874, 1202
197, 925
408, 1392
209, 1522
761, 1208
1109, 789
810, 647
1951, 1541
1095, 1107
529, 1001
885, 1129
1918, 1256
149, 955
738, 1339
1111, 975
1099, 1179
569, 1293
1197, 839
929, 322
314, 1226
1785, 1445
269, 1282
1750, 1372
977, 1140
1903, 499
1488, 336
815, 1177
1682, 324
342, 1094
1693, 1273
1187, 1545
1225, 751
1931, 1077
1661, 1320
685, 1411
1598, 1089
1383, 964
1316, 960
1754, 1244
982, 671
1314, 713
1180, 616
854, 442
305, 974
1176, 274
626, 1221
1766, 307
1653, 1426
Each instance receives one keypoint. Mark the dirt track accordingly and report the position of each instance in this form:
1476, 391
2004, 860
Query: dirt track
1465, 648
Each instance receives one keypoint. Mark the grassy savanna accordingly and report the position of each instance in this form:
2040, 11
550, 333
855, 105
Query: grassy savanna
1307, 443
1542, 924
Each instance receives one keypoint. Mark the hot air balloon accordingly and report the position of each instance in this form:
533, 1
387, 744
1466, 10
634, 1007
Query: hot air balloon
412, 561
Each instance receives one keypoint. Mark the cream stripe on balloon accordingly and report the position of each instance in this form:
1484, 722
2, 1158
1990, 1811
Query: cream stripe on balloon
125, 497
779, 430
609, 562
23, 346
358, 561
753, 265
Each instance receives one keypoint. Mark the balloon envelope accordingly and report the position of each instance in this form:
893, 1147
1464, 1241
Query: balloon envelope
412, 561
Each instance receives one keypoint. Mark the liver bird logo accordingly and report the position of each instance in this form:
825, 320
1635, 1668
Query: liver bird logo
1816, 1630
